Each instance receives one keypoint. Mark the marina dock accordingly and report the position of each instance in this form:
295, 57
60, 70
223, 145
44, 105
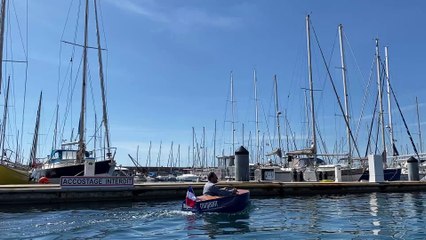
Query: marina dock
54, 193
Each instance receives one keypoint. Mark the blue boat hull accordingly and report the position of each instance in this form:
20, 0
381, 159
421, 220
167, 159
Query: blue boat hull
390, 174
228, 204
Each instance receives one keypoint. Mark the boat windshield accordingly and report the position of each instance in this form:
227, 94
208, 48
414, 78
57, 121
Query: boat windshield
64, 155
69, 155
307, 162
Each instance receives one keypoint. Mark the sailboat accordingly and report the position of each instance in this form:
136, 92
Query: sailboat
70, 159
390, 173
225, 163
11, 171
306, 164
349, 172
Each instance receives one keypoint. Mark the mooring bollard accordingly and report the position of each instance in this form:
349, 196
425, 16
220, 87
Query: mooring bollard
242, 169
375, 168
413, 169
337, 173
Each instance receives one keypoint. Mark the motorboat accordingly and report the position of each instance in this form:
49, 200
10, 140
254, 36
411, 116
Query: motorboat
223, 204
188, 177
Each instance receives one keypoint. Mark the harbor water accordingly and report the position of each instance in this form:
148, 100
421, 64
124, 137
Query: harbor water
361, 216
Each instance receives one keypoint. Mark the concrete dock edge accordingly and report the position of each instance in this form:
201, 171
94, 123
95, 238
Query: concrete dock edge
53, 193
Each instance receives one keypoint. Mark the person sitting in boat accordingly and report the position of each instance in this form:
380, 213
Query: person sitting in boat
211, 189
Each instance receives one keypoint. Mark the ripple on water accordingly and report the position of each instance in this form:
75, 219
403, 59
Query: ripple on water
362, 216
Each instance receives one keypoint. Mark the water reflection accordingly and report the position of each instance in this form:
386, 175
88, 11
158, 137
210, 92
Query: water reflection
218, 224
47, 207
374, 210
413, 202
224, 224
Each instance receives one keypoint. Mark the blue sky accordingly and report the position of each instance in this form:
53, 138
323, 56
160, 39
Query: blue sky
168, 67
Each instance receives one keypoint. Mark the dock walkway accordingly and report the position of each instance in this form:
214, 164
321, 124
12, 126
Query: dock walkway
53, 193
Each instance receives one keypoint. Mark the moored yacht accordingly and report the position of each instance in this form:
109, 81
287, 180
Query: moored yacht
63, 162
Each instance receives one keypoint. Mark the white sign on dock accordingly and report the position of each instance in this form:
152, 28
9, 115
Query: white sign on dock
104, 181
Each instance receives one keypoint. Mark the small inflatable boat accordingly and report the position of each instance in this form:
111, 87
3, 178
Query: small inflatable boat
225, 204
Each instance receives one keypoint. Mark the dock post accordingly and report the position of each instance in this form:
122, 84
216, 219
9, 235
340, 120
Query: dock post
337, 173
89, 167
375, 168
242, 170
413, 169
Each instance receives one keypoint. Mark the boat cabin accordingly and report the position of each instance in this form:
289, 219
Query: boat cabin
60, 155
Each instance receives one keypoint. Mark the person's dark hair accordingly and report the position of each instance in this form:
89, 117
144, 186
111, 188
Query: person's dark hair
211, 175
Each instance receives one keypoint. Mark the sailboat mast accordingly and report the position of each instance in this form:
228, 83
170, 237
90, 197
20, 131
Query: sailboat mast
257, 117
33, 154
170, 159
178, 156
379, 86
193, 146
95, 136
311, 87
137, 154
345, 91
214, 145
55, 131
81, 144
392, 139
204, 153
159, 155
148, 157
3, 19
242, 133
101, 78
286, 131
233, 113
278, 113
418, 124
3, 128
263, 148
189, 157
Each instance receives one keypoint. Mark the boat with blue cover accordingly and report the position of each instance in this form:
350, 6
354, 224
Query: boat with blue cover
224, 204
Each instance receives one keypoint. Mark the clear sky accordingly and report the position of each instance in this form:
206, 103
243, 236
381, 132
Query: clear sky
168, 64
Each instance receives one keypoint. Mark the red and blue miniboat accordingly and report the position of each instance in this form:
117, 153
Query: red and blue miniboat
223, 204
